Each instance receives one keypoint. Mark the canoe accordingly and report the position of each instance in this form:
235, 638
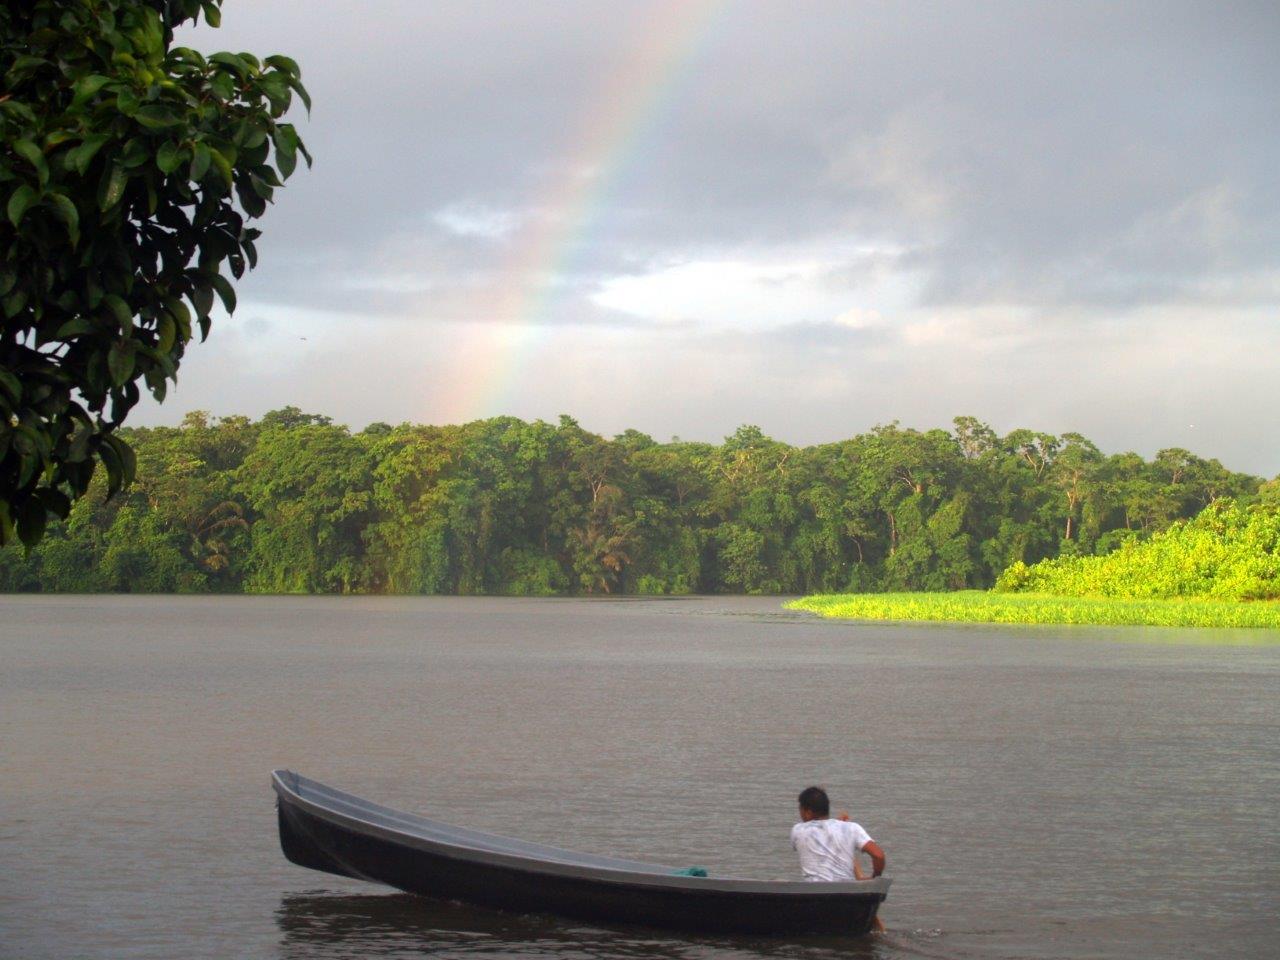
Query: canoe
326, 829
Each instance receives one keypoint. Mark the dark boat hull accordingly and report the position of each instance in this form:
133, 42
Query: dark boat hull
313, 838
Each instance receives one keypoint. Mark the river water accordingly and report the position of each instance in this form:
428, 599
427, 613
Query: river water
1040, 793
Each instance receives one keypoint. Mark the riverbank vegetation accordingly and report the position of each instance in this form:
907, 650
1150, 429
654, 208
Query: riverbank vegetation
981, 606
1228, 552
295, 503
1220, 569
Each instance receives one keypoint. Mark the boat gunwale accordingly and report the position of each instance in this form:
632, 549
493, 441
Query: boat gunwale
877, 887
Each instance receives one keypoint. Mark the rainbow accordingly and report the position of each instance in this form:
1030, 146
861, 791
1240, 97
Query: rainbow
625, 112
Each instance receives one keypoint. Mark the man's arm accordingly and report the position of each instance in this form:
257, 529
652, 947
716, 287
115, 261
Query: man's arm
872, 849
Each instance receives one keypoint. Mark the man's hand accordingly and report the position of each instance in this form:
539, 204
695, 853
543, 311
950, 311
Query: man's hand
843, 815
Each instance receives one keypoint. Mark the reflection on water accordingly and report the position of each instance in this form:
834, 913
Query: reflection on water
388, 926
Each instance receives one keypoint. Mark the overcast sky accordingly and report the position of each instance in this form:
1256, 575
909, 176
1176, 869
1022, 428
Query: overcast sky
815, 217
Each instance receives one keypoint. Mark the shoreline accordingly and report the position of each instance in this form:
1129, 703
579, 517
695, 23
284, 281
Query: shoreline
977, 606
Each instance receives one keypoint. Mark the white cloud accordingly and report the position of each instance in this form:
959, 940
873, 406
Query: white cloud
714, 290
859, 318
770, 288
471, 219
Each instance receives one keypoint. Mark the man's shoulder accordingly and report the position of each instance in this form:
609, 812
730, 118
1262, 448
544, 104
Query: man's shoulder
856, 832
805, 828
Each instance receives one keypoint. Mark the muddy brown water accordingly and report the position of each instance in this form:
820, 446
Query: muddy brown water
1041, 792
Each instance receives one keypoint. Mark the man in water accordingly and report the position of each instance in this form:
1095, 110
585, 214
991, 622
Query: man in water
829, 848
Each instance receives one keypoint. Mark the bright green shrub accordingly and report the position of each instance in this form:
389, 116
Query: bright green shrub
976, 606
1228, 552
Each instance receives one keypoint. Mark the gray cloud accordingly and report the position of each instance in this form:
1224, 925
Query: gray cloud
1070, 208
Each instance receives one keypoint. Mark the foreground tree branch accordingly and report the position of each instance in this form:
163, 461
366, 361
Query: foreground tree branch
128, 171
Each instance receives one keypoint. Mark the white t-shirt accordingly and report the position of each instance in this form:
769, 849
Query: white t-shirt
827, 847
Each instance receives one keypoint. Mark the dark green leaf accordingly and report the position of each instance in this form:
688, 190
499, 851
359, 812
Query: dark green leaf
31, 522
68, 214
157, 384
26, 443
222, 165
26, 64
286, 64
76, 327
78, 449
285, 138
111, 189
301, 91
223, 87
168, 157
267, 175
225, 291
120, 310
120, 360
10, 386
86, 87
128, 461
20, 201
115, 469
34, 156
55, 501
79, 157
276, 86
201, 157
18, 109
14, 302
250, 200
250, 135
178, 310
231, 61
187, 55
261, 188
136, 153
127, 101
167, 333
157, 116
202, 299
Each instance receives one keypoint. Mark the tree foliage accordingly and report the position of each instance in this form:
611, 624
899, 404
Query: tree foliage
129, 169
296, 503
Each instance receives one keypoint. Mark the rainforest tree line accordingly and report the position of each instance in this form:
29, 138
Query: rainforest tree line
295, 503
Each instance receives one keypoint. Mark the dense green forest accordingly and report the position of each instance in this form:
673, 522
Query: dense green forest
296, 503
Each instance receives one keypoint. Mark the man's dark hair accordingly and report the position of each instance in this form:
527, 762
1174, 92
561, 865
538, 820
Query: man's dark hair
814, 799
